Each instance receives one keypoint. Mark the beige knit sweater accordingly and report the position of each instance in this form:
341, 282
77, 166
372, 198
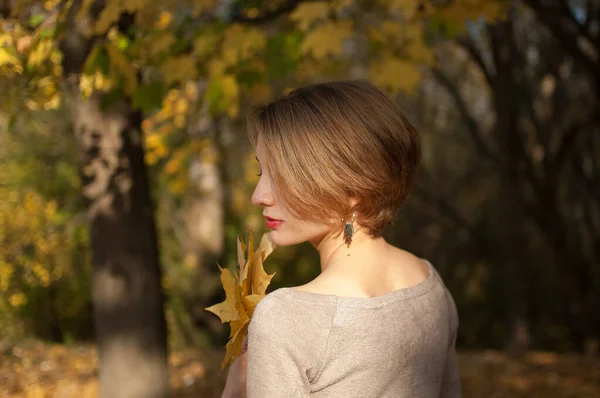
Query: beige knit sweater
400, 344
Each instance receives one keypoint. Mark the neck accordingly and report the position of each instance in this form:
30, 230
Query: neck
332, 249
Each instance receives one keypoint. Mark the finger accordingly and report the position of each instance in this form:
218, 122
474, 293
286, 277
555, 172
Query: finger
245, 344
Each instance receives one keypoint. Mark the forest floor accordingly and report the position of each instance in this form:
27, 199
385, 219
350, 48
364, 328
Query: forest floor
37, 370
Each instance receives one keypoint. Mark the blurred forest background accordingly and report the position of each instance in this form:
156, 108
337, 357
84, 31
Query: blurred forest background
126, 176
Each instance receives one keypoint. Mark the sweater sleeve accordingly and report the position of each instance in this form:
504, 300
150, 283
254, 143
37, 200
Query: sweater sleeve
451, 387
285, 346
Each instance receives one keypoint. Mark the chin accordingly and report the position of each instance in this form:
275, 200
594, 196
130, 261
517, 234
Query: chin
288, 237
281, 238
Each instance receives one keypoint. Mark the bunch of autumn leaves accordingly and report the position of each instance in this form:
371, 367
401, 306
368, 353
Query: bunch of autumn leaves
244, 288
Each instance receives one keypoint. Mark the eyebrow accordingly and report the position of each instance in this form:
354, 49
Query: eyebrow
256, 157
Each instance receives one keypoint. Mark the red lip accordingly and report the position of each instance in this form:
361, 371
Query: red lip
272, 222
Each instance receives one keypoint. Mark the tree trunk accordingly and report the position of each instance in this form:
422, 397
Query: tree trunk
126, 287
204, 216
513, 266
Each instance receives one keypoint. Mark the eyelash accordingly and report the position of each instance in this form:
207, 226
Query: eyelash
259, 174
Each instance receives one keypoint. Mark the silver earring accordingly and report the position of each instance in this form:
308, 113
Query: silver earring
349, 231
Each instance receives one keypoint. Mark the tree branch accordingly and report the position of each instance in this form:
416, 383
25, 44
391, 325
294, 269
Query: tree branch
5, 8
470, 47
567, 142
472, 125
568, 40
568, 14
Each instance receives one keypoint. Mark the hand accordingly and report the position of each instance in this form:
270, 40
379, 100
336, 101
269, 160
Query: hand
235, 386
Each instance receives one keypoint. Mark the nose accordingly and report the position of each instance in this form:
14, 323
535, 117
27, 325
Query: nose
263, 193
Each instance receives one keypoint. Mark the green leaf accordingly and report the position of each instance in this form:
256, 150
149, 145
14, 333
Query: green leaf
249, 77
122, 43
283, 52
148, 97
35, 20
48, 33
181, 45
98, 59
111, 98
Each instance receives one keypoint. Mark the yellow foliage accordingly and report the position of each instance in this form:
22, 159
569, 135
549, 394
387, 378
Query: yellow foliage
160, 44
327, 39
175, 164
120, 64
33, 243
179, 121
206, 43
340, 5
164, 20
231, 92
306, 14
17, 300
201, 6
244, 288
408, 7
109, 15
394, 74
9, 64
156, 148
49, 5
260, 93
40, 53
6, 273
179, 68
45, 93
216, 66
241, 43
178, 185
415, 47
135, 5
191, 90
458, 12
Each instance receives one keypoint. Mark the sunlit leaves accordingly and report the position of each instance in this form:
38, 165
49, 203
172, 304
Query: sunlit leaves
41, 51
34, 245
148, 97
394, 74
120, 65
244, 288
222, 94
327, 39
283, 53
109, 15
164, 20
306, 14
9, 63
453, 17
179, 69
241, 43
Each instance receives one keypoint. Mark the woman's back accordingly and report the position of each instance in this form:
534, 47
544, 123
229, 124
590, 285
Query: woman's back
399, 344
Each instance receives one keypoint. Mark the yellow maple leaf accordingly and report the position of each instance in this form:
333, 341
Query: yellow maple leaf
308, 13
120, 64
244, 288
180, 68
327, 39
395, 74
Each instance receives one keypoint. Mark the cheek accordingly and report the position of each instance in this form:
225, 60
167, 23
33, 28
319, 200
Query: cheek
307, 231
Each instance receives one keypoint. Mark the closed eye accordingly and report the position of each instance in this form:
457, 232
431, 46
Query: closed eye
259, 174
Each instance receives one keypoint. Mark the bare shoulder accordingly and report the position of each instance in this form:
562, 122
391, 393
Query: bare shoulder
393, 270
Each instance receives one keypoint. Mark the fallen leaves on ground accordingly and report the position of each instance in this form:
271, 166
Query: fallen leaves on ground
37, 370
494, 374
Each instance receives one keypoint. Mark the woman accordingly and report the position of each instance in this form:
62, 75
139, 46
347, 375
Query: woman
337, 160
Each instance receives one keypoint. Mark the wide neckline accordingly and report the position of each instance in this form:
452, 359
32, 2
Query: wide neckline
402, 293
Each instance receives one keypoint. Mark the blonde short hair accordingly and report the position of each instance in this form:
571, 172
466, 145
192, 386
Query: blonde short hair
328, 142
